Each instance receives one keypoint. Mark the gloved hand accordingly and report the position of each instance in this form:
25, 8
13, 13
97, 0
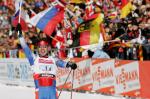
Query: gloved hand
19, 29
90, 53
71, 65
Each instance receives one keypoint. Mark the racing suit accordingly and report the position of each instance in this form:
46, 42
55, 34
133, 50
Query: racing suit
44, 71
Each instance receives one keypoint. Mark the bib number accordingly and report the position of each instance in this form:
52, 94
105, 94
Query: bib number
46, 68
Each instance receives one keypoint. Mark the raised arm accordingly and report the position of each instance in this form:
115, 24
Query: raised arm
68, 64
24, 46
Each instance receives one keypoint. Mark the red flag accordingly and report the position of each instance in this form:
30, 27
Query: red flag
24, 26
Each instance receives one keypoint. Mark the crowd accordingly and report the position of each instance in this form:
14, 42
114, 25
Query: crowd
125, 38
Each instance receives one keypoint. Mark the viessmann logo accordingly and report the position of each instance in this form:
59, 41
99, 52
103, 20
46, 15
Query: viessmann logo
102, 74
127, 78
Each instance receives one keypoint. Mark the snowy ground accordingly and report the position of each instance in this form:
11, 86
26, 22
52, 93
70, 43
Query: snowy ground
18, 92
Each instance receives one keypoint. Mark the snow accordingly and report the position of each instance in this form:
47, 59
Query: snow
19, 92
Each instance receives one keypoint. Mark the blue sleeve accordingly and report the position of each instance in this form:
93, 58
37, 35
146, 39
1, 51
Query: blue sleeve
61, 63
27, 50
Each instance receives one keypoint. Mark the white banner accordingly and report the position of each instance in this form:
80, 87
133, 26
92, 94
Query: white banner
98, 76
102, 74
61, 77
16, 71
82, 76
3, 70
127, 78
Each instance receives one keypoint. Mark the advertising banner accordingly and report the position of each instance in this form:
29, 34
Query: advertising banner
61, 77
103, 75
82, 75
4, 74
115, 77
16, 71
127, 80
25, 72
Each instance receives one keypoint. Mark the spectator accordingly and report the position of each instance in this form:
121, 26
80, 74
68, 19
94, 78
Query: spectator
98, 53
115, 27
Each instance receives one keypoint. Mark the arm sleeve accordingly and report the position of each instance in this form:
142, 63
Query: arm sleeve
60, 63
27, 51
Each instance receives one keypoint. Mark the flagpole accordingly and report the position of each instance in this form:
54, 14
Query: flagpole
20, 11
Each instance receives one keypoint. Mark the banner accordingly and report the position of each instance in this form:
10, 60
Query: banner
4, 71
127, 80
103, 75
16, 71
61, 77
109, 76
82, 76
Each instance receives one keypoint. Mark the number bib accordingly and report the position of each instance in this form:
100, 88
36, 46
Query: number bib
46, 68
45, 65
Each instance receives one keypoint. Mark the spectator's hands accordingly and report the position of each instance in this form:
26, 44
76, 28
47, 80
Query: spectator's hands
71, 65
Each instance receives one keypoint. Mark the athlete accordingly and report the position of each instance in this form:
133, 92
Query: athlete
44, 68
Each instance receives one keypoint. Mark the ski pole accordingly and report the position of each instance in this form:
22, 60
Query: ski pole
72, 84
64, 83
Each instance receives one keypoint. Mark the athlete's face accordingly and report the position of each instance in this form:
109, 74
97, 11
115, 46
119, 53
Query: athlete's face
43, 50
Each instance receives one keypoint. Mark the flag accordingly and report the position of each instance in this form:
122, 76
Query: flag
31, 13
58, 38
77, 1
15, 21
140, 53
118, 44
126, 8
58, 42
23, 16
89, 8
88, 32
48, 19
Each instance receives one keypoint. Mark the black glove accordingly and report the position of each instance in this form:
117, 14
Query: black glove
90, 53
71, 65
19, 29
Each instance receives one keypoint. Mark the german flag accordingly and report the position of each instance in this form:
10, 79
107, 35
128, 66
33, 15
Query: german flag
118, 44
88, 32
140, 53
126, 8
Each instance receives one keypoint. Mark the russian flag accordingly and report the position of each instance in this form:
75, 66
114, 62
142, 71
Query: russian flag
15, 21
48, 19
23, 16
